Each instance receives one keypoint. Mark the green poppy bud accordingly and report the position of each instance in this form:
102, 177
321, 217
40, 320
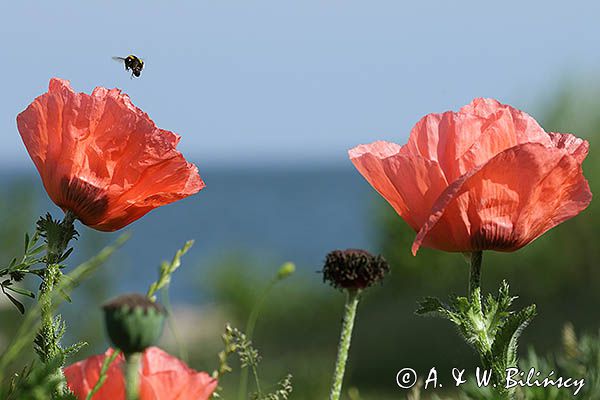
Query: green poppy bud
133, 322
286, 270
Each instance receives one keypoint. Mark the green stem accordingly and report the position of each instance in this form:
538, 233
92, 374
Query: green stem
166, 302
48, 339
486, 342
255, 373
49, 335
475, 278
132, 376
352, 299
103, 374
250, 325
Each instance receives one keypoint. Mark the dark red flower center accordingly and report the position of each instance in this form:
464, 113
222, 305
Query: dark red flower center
494, 237
86, 201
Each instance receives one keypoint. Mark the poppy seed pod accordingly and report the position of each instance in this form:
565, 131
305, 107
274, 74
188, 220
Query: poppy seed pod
354, 269
133, 322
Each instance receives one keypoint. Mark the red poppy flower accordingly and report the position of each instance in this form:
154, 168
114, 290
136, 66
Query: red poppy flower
485, 178
162, 377
102, 158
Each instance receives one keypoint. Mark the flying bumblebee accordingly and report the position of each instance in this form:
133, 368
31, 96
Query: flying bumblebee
133, 63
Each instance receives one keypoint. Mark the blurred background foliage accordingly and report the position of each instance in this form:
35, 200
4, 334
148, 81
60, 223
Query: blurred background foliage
299, 324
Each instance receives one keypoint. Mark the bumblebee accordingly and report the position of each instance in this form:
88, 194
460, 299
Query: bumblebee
133, 63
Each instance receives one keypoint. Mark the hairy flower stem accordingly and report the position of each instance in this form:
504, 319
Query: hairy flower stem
47, 333
132, 376
50, 333
485, 347
475, 279
352, 300
52, 276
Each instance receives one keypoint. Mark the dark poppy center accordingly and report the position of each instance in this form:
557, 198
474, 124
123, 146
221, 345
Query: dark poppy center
88, 202
494, 237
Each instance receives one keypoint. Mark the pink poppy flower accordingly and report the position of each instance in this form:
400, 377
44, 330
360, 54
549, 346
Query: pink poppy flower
102, 158
162, 377
485, 178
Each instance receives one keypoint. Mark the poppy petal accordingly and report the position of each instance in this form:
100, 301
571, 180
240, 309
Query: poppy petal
410, 183
167, 378
575, 146
162, 377
101, 157
460, 141
83, 375
511, 200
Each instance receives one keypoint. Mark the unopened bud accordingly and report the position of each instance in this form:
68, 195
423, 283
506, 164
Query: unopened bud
133, 322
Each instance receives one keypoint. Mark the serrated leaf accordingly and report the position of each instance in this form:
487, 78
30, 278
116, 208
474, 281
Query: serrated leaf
429, 305
69, 351
476, 301
505, 343
504, 299
461, 304
494, 315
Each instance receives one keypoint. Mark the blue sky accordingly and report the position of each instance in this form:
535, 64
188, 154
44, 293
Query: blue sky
272, 82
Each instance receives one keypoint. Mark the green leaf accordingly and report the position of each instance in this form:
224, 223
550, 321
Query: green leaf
65, 255
37, 250
505, 343
39, 382
65, 296
430, 306
166, 270
28, 328
497, 309
476, 301
16, 302
21, 291
69, 351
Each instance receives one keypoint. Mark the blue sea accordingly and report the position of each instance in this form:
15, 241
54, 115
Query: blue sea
267, 215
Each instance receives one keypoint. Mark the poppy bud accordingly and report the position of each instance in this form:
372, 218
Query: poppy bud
133, 322
354, 269
286, 270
